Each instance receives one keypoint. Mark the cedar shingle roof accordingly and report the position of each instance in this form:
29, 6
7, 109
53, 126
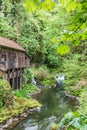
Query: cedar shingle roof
10, 44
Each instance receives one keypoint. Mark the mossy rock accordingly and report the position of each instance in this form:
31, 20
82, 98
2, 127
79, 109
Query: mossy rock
26, 103
54, 127
6, 95
18, 107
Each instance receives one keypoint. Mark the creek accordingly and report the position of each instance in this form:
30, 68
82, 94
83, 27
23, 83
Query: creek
55, 105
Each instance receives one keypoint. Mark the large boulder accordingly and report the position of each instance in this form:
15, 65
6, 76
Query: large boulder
6, 95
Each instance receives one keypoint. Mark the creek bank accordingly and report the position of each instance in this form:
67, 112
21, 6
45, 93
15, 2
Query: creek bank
12, 122
17, 112
73, 98
35, 95
16, 119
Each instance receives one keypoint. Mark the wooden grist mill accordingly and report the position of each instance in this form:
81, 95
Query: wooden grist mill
13, 61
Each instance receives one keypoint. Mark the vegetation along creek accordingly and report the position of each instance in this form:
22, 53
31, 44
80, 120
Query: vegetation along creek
55, 105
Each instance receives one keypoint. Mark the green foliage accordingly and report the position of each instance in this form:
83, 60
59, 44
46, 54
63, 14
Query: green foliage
41, 72
32, 5
73, 120
44, 76
75, 69
26, 90
63, 49
19, 106
38, 31
35, 31
30, 88
72, 69
21, 93
52, 58
27, 76
6, 29
39, 44
33, 34
16, 102
83, 101
76, 31
6, 95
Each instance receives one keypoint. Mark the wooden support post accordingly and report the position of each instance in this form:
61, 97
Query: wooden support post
18, 82
15, 82
12, 83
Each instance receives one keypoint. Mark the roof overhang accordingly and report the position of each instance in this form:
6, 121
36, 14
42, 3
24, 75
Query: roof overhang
6, 43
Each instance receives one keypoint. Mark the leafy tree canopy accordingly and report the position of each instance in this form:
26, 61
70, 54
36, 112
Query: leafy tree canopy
32, 5
76, 31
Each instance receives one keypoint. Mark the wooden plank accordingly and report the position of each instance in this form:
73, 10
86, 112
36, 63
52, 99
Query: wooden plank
1, 74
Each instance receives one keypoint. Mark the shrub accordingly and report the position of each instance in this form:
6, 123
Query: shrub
41, 73
6, 95
73, 121
26, 90
83, 102
27, 76
74, 69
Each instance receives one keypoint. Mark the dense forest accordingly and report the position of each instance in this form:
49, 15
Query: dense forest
53, 33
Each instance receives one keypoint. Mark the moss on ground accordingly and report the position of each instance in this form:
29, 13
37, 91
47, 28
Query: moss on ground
19, 106
11, 105
6, 95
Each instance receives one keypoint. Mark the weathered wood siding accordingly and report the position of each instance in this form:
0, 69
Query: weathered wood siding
3, 59
23, 60
10, 59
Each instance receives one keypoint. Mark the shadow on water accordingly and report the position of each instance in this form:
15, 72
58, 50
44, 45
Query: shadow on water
55, 105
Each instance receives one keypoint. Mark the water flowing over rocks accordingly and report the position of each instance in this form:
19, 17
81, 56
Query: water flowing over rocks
60, 79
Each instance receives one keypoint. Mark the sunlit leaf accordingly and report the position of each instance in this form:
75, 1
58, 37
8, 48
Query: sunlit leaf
55, 39
75, 123
83, 26
63, 49
48, 5
32, 5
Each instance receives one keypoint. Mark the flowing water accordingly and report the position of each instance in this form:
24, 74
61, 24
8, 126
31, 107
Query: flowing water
55, 105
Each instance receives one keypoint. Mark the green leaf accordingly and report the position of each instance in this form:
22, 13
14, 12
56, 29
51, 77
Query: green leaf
55, 39
63, 49
32, 5
75, 123
84, 127
69, 115
71, 6
83, 26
